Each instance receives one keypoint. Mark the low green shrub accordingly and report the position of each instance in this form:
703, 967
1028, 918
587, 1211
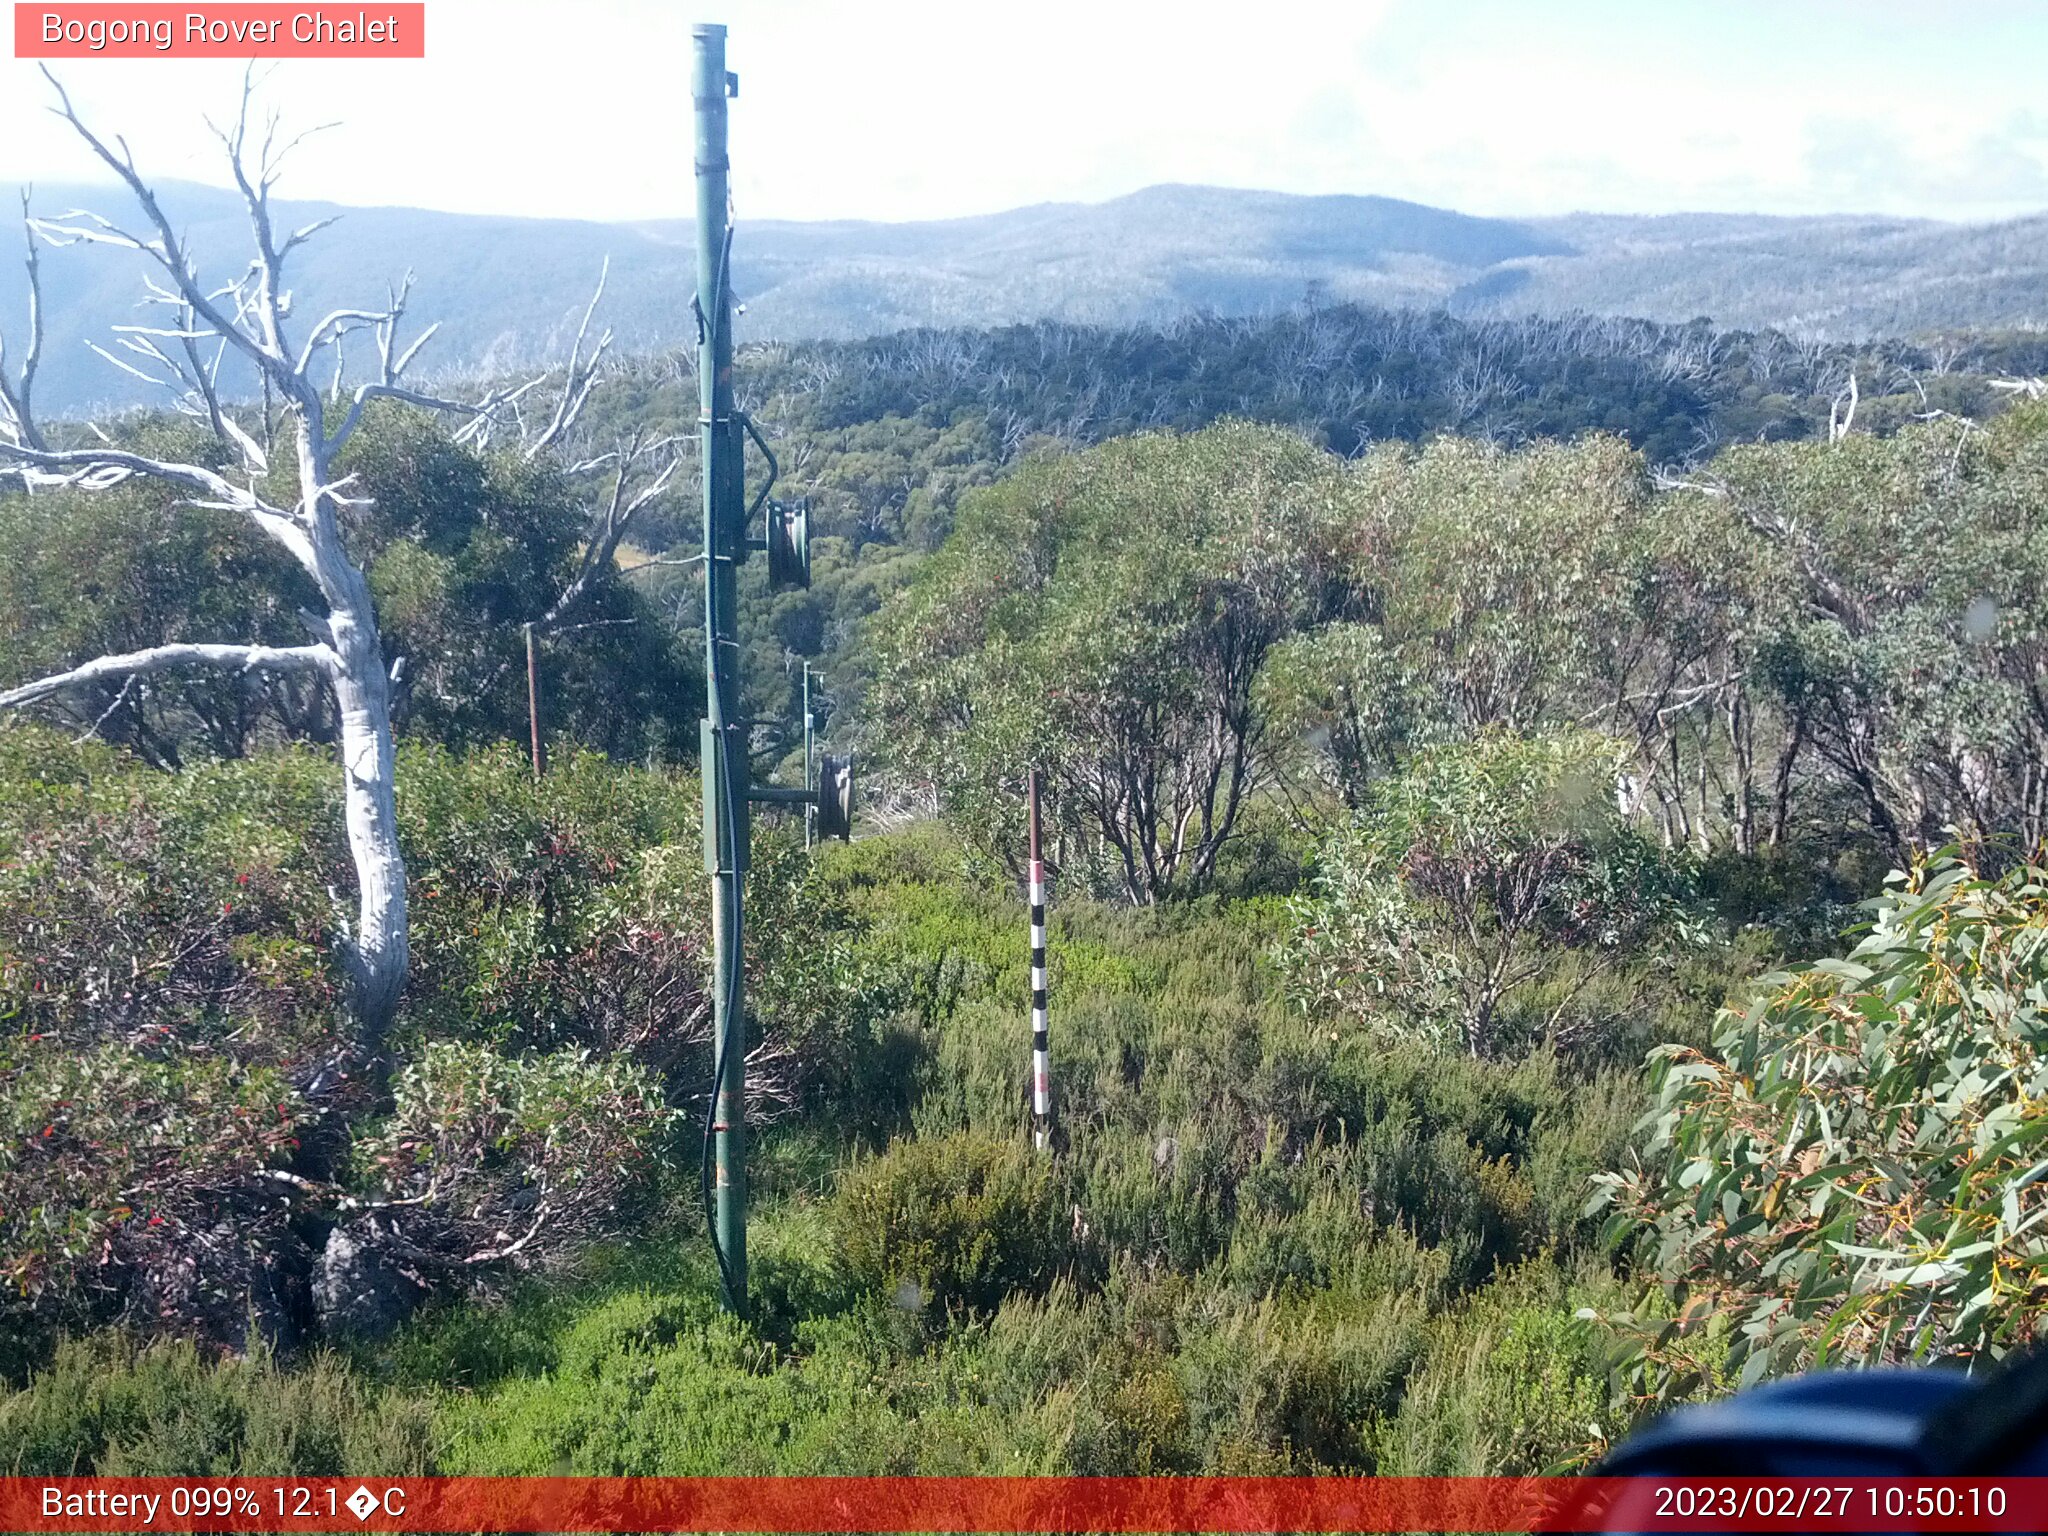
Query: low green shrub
955, 1222
490, 1154
1451, 897
1511, 1382
109, 1406
177, 1065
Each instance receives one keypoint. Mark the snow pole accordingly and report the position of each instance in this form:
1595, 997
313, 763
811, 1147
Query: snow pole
1041, 1055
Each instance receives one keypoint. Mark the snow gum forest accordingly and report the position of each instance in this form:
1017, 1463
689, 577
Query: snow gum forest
1501, 776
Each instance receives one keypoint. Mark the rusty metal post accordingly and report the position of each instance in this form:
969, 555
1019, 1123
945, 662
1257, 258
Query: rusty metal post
540, 752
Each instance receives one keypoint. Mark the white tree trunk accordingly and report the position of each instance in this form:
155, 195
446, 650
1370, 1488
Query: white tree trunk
249, 315
379, 952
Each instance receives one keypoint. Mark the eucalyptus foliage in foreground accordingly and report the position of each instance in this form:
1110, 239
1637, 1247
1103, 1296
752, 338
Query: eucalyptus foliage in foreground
1855, 1174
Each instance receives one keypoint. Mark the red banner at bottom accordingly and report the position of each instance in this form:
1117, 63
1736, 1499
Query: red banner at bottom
1023, 1504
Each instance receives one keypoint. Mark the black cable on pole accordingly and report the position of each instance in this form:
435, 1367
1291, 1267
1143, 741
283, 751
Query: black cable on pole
711, 1122
730, 843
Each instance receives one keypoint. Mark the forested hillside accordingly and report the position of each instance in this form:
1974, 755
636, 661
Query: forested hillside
509, 290
1836, 276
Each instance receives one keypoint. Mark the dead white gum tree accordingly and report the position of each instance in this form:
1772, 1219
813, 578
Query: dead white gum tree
250, 316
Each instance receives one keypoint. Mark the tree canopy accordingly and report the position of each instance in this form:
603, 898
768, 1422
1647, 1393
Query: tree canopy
461, 547
1103, 618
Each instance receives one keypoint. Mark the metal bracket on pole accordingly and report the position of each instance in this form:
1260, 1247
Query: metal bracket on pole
828, 805
774, 469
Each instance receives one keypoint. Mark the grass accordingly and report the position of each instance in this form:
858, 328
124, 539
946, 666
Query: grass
1266, 1245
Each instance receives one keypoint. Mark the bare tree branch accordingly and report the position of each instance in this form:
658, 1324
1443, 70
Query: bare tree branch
120, 697
477, 411
2026, 389
163, 658
16, 398
169, 253
333, 327
98, 469
661, 458
1664, 479
1839, 418
580, 376
657, 562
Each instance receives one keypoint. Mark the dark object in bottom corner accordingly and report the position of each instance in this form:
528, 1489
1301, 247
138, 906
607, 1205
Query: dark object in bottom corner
1875, 1423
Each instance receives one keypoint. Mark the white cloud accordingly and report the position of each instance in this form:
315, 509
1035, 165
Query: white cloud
916, 108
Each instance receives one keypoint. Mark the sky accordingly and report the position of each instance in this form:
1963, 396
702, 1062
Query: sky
921, 109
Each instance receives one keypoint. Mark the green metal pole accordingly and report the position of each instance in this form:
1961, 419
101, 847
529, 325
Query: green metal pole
723, 752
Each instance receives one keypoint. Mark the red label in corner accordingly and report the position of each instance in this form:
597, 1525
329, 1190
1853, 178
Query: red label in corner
231, 31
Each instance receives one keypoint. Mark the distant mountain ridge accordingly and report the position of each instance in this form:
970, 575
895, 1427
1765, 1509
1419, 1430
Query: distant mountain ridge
509, 290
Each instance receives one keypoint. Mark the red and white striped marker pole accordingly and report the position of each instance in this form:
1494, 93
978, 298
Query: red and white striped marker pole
1041, 1056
